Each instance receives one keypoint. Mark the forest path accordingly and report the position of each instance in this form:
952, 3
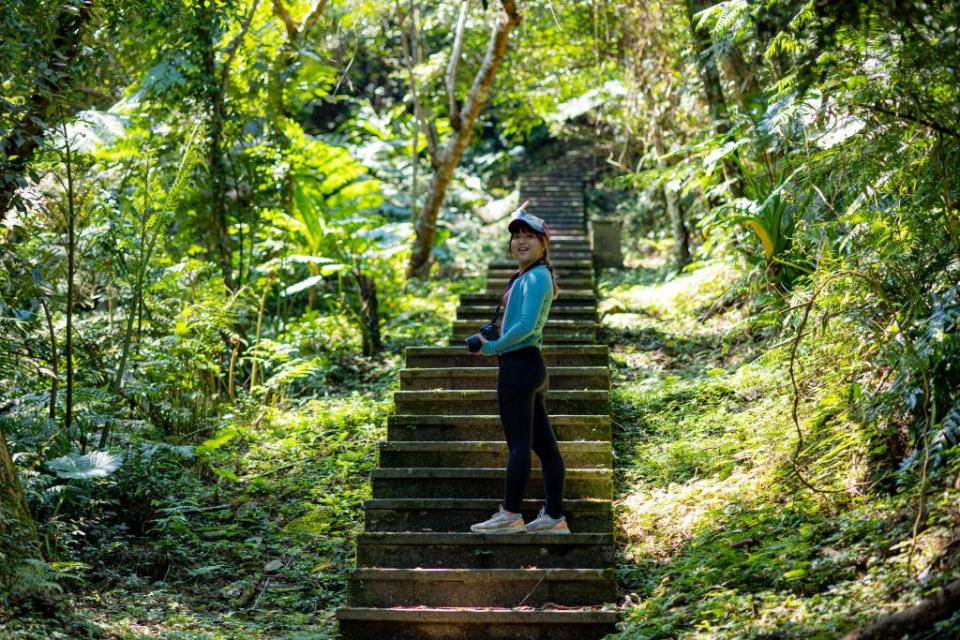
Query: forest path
420, 571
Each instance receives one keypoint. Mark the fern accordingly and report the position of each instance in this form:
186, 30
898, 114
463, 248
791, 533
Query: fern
947, 436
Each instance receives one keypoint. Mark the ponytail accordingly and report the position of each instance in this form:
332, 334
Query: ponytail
553, 273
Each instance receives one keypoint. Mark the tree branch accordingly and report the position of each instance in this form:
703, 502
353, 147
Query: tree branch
499, 38
899, 115
234, 47
293, 30
410, 59
313, 17
452, 65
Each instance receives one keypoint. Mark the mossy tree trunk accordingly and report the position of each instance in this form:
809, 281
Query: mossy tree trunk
18, 532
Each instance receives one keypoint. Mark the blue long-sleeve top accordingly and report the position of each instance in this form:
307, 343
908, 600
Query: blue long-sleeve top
528, 306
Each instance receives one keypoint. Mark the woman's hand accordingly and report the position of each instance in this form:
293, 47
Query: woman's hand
483, 341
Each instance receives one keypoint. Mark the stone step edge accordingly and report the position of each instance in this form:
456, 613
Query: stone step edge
558, 324
492, 419
422, 538
569, 294
478, 615
570, 504
600, 446
485, 394
578, 349
480, 575
476, 372
476, 472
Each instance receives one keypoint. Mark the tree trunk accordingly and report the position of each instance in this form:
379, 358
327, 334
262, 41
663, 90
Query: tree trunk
678, 226
369, 314
938, 606
450, 156
712, 89
54, 360
222, 250
17, 148
71, 272
18, 533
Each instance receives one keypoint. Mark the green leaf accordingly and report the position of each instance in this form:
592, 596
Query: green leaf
74, 466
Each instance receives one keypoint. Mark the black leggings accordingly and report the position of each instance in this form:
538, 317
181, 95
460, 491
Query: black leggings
521, 385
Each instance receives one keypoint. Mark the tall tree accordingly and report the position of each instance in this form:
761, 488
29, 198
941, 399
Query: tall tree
712, 87
462, 119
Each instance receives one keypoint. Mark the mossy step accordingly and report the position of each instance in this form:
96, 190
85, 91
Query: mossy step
586, 454
562, 253
498, 284
372, 587
419, 623
468, 550
455, 428
586, 329
537, 196
472, 482
550, 336
486, 378
567, 297
559, 263
457, 514
481, 314
553, 356
471, 402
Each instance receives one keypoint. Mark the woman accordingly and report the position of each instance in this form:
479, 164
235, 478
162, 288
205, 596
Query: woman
522, 382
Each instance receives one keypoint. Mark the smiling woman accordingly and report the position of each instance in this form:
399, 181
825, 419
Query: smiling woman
522, 382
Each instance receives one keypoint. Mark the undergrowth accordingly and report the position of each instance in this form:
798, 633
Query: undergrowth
250, 534
718, 538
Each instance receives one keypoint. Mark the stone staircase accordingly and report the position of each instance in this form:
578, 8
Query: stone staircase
421, 572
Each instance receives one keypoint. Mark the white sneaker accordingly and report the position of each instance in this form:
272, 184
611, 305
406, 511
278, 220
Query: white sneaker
502, 522
545, 524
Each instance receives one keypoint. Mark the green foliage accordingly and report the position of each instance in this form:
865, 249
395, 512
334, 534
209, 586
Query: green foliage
74, 466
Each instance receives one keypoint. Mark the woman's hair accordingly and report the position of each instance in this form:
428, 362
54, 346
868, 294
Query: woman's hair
545, 259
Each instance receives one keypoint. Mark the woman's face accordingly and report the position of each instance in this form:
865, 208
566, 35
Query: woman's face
525, 247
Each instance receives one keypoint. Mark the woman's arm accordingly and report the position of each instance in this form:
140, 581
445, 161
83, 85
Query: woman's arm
534, 292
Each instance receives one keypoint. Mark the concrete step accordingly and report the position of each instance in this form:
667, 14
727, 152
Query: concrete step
374, 587
480, 427
553, 337
475, 482
574, 282
468, 550
567, 298
449, 514
468, 402
481, 315
553, 355
564, 274
554, 331
486, 378
485, 453
566, 197
419, 623
588, 328
557, 205
558, 263
561, 237
557, 248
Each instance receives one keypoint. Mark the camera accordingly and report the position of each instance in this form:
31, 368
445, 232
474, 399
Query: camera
490, 331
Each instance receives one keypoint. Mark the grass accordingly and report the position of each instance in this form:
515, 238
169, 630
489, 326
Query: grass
718, 539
